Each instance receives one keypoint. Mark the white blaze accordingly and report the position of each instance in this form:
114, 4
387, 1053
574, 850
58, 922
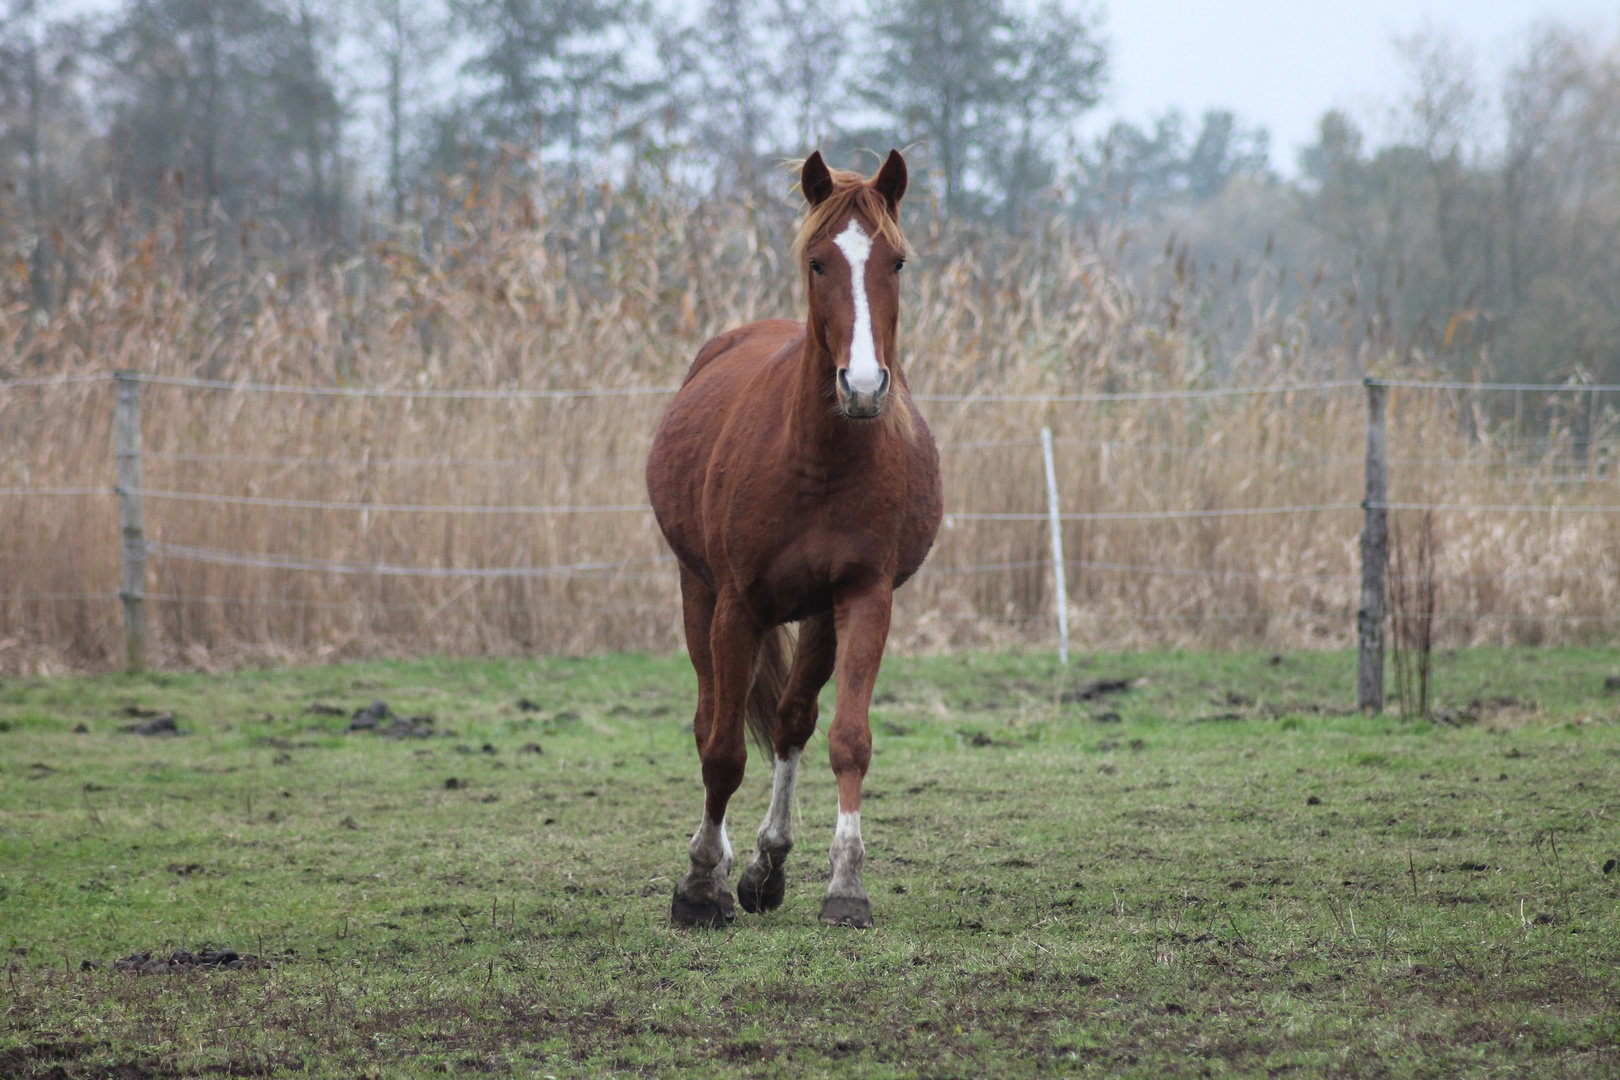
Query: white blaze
864, 374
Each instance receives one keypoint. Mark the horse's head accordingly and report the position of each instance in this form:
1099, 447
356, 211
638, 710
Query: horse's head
852, 251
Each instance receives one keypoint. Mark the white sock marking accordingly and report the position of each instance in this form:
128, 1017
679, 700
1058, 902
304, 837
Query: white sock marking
848, 856
776, 831
711, 847
864, 374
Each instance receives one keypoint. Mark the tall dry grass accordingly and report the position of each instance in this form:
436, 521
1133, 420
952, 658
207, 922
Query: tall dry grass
526, 286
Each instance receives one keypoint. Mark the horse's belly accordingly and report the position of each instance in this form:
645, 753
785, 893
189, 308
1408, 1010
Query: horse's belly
776, 599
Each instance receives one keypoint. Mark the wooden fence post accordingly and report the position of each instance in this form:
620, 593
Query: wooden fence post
1374, 557
131, 515
1059, 579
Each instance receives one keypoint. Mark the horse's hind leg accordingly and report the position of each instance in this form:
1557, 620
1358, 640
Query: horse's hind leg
702, 902
723, 641
764, 880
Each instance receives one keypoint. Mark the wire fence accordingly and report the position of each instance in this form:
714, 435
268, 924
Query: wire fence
521, 394
1010, 590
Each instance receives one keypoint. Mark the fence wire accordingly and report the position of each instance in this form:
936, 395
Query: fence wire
417, 393
1158, 515
266, 561
1320, 386
55, 380
395, 508
1534, 388
640, 568
1111, 446
342, 605
516, 394
1497, 508
950, 517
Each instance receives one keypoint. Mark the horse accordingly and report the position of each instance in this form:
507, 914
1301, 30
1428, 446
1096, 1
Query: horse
796, 482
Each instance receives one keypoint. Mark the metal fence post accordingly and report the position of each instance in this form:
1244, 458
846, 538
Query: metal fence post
131, 515
1374, 557
1059, 579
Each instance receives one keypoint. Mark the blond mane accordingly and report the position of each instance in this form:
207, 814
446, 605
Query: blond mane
852, 194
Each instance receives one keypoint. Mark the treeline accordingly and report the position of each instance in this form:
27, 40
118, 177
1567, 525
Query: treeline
316, 105
1480, 237
1473, 229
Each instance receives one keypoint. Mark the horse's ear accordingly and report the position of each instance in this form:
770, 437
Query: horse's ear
890, 181
815, 180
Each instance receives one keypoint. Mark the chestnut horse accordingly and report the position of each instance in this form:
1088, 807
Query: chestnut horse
796, 483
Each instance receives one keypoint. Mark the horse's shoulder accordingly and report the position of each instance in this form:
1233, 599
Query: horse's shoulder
712, 348
775, 332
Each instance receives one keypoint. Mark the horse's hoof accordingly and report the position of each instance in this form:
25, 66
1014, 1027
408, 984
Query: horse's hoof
702, 904
763, 884
853, 911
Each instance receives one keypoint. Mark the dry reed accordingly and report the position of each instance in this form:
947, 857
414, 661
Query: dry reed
523, 286
1413, 596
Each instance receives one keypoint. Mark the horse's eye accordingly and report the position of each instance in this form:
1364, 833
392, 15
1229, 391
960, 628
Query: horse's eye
899, 265
816, 267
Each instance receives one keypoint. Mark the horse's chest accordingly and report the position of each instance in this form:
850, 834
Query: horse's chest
813, 533
837, 513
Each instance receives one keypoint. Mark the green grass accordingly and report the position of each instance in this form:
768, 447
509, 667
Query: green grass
1228, 876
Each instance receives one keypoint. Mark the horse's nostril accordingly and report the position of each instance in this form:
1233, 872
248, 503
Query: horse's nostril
861, 403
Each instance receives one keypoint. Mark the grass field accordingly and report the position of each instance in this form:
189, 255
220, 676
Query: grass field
1216, 872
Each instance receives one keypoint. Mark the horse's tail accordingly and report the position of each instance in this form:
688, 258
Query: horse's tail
770, 679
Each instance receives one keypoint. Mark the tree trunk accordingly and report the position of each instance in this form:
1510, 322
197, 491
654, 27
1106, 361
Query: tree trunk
39, 261
396, 93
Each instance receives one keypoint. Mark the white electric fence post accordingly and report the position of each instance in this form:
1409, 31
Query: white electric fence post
1374, 558
132, 515
1057, 547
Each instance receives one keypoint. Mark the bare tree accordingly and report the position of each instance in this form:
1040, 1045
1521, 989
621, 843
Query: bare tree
814, 39
1152, 170
1440, 106
400, 35
552, 68
1055, 70
43, 124
1537, 100
233, 101
736, 83
314, 114
987, 86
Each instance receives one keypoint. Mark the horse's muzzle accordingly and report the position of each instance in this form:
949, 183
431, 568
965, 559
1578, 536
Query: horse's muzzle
862, 405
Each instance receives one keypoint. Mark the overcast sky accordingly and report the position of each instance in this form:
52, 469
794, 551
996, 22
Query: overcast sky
1282, 63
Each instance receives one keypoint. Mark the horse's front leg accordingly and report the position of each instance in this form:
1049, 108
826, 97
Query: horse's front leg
703, 897
862, 619
763, 884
